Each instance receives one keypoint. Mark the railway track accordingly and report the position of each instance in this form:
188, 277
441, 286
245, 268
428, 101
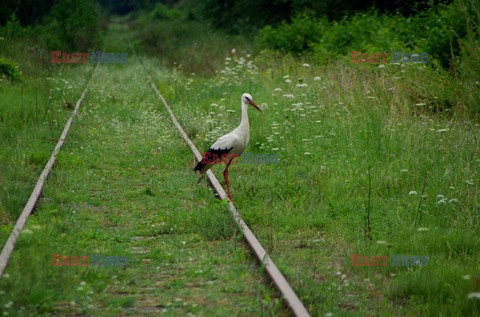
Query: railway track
37, 191
273, 272
286, 291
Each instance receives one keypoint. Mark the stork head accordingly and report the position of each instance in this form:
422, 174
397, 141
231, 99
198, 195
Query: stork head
248, 100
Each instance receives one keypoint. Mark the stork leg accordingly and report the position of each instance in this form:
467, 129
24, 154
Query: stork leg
225, 175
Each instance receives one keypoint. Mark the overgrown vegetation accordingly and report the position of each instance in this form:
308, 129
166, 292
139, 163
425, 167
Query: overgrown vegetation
9, 69
370, 164
448, 33
182, 41
375, 159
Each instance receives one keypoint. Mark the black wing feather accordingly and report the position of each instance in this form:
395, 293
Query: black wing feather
212, 152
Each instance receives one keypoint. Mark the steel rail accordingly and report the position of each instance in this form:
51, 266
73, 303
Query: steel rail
37, 190
295, 304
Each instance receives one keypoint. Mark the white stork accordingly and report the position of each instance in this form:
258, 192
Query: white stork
230, 145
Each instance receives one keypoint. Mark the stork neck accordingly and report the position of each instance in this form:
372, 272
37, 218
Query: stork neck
244, 122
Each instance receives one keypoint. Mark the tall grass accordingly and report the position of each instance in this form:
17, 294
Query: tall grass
365, 152
33, 112
185, 43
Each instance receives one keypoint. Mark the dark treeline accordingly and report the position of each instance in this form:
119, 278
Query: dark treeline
240, 15
231, 15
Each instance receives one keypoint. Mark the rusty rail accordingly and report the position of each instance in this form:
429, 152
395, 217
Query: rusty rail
295, 304
32, 201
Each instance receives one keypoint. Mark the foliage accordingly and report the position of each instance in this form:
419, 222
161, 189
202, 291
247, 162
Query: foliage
191, 45
246, 16
10, 70
298, 36
13, 27
72, 25
469, 67
29, 12
437, 31
161, 12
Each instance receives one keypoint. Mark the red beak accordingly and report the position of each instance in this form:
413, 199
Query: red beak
252, 103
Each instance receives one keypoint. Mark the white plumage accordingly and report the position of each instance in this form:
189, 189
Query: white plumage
232, 144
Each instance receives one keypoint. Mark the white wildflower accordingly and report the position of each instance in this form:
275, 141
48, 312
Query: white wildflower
306, 65
317, 78
475, 295
412, 192
422, 229
278, 89
288, 81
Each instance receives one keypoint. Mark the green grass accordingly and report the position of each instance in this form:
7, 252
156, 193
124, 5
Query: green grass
392, 125
372, 161
33, 113
122, 186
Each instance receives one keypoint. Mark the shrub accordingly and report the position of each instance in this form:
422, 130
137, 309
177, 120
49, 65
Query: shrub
72, 24
14, 28
162, 12
298, 36
436, 31
10, 70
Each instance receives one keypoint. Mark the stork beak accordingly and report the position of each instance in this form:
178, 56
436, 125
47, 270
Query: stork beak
252, 103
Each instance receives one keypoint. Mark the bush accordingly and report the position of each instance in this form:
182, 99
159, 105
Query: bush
72, 25
14, 28
298, 36
364, 31
162, 12
10, 70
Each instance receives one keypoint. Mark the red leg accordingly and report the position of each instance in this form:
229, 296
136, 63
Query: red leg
225, 175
